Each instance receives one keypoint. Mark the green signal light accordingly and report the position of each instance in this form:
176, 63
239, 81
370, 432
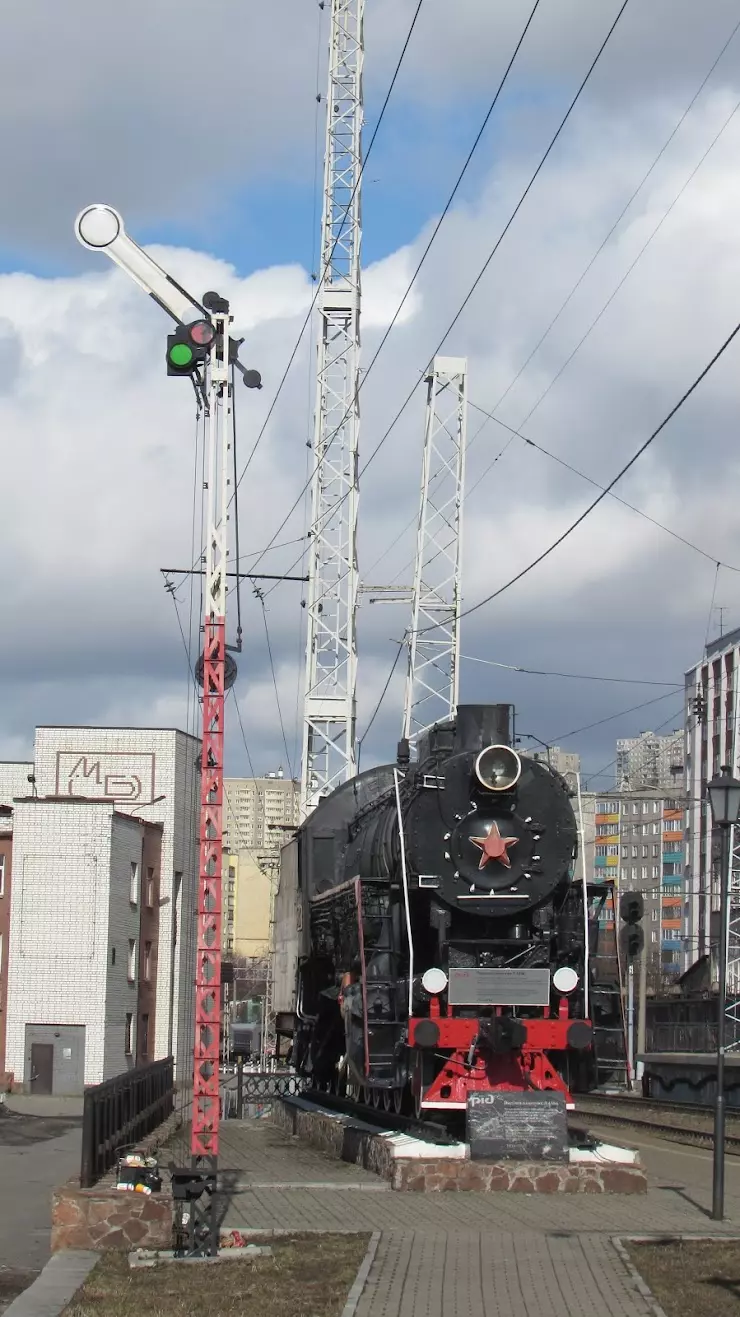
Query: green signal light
181, 355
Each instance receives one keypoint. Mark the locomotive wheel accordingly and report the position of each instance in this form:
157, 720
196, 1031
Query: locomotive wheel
376, 1099
387, 1099
398, 1094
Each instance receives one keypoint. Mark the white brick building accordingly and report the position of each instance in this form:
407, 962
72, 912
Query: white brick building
73, 921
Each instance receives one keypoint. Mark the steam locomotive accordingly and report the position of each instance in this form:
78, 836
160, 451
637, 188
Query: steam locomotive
428, 930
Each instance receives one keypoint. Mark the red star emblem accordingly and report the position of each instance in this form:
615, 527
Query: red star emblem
494, 847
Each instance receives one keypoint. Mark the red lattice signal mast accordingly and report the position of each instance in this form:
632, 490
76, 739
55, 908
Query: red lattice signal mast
202, 350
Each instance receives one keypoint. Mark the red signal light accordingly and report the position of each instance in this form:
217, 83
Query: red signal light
202, 333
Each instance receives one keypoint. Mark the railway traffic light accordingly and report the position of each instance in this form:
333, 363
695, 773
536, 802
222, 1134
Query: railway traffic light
189, 346
631, 910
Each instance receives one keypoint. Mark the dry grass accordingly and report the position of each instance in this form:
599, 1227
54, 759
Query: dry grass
307, 1276
692, 1278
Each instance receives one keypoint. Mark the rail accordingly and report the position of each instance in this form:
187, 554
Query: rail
120, 1112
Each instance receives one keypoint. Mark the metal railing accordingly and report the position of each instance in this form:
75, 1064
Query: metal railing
120, 1112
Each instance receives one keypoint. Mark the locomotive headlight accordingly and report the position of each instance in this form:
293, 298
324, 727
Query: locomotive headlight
498, 768
434, 981
564, 979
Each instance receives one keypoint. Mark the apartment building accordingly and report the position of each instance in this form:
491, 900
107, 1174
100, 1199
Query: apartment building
712, 713
636, 839
651, 761
259, 815
565, 762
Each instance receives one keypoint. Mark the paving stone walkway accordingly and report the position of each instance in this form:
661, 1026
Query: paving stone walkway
479, 1274
467, 1254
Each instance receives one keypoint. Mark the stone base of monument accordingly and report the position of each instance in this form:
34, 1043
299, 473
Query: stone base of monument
413, 1165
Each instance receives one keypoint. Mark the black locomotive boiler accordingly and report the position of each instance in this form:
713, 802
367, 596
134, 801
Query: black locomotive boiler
437, 936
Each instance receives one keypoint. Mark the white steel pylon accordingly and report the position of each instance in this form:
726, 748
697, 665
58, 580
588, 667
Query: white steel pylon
328, 756
432, 680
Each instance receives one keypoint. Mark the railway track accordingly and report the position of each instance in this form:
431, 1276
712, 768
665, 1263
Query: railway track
679, 1122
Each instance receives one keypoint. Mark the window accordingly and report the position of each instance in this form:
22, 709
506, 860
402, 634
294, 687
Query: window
656, 807
612, 850
643, 873
654, 916
2, 875
656, 829
133, 895
150, 888
144, 1035
656, 871
131, 959
625, 852
645, 852
635, 808
127, 1041
656, 849
147, 962
653, 937
113, 955
635, 851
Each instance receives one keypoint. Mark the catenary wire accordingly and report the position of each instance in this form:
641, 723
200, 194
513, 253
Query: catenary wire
376, 710
619, 218
433, 236
602, 495
260, 596
589, 479
320, 278
484, 267
574, 676
571, 356
514, 430
622, 713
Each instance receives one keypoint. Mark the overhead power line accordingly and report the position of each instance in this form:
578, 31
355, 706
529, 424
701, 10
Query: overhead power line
320, 276
485, 265
490, 413
574, 676
565, 736
602, 771
619, 219
630, 268
429, 244
711, 557
602, 495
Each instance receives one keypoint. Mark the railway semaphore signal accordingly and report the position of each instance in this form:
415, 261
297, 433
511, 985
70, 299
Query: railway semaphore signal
200, 348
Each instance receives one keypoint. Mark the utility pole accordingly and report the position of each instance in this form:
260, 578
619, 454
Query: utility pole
200, 349
329, 715
433, 677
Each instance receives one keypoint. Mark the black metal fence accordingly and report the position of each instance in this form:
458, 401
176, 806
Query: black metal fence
120, 1112
257, 1086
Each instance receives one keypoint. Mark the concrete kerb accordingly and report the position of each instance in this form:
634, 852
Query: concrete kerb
60, 1279
360, 1281
65, 1272
643, 1288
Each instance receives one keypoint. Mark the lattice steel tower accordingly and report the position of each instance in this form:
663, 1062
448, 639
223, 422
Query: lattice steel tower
331, 652
432, 680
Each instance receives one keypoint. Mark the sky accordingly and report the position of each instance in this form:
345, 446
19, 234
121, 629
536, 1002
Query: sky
209, 139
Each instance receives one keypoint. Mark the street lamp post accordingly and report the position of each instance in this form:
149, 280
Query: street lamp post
724, 800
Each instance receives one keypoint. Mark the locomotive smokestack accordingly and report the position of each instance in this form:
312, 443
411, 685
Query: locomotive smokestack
481, 725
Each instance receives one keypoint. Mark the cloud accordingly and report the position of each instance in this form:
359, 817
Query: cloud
101, 466
183, 117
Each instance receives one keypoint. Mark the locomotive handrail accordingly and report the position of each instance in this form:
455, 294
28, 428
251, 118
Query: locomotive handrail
405, 877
